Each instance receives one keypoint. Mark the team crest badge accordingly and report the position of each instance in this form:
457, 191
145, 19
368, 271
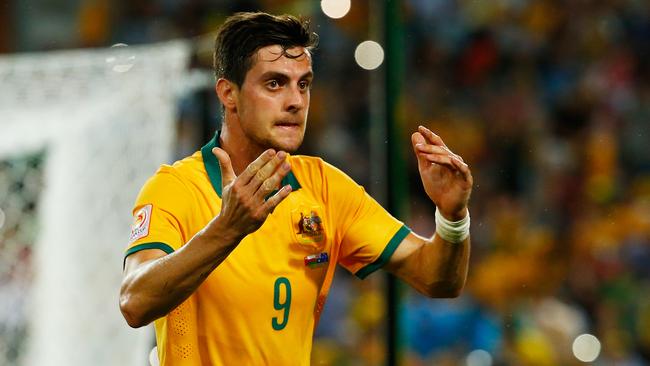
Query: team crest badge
308, 227
140, 226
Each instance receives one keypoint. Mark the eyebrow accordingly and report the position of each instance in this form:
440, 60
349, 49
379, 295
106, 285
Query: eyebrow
278, 75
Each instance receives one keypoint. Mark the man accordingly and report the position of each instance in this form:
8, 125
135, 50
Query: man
233, 249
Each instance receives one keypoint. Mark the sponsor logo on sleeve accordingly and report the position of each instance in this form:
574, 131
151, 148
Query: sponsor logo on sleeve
141, 221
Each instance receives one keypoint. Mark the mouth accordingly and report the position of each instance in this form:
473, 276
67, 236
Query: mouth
288, 125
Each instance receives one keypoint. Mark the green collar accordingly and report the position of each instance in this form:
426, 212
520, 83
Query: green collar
214, 171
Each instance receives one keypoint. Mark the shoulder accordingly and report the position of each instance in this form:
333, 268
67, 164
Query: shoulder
178, 175
187, 168
318, 174
313, 164
313, 167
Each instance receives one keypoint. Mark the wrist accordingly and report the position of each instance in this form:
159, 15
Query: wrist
453, 215
455, 231
219, 232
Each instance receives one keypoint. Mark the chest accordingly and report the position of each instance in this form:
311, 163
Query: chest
282, 264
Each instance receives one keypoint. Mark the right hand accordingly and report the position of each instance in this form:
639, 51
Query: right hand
244, 206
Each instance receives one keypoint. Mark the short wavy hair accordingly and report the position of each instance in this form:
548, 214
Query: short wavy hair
242, 34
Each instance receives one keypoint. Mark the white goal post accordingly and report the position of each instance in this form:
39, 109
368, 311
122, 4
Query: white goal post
103, 120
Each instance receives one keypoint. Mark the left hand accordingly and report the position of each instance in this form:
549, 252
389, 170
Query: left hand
446, 178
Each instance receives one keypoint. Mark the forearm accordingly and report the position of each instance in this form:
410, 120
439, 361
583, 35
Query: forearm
155, 288
437, 268
447, 267
433, 266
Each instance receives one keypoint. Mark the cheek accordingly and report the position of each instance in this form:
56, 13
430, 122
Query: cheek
266, 107
257, 113
252, 105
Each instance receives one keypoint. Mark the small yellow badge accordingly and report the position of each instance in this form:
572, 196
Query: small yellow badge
140, 226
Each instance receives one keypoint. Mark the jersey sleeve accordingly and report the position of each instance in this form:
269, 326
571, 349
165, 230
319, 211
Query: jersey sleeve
368, 233
160, 214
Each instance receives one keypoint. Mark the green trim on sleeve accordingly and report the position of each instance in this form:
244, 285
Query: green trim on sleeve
154, 245
386, 254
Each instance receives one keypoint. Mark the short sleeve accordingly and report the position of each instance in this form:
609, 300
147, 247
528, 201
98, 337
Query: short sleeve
369, 234
160, 214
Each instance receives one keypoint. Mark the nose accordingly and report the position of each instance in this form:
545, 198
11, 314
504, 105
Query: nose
296, 99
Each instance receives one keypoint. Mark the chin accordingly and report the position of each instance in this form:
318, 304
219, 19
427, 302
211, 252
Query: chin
287, 146
286, 143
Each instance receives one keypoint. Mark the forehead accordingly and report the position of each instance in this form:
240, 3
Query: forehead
274, 58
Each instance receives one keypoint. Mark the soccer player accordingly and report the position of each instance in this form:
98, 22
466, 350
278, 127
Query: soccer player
233, 249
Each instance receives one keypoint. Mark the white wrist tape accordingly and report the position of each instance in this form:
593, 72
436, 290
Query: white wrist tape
452, 231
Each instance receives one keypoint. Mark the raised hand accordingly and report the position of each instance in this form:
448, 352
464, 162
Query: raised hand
446, 178
244, 206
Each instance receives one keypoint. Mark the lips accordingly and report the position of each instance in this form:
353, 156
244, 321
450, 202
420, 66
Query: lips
287, 124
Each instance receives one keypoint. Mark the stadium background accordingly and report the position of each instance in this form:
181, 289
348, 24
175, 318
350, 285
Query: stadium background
547, 100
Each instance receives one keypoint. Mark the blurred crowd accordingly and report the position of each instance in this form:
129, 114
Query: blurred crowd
549, 103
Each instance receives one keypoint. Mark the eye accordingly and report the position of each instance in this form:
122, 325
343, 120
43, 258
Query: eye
273, 84
304, 85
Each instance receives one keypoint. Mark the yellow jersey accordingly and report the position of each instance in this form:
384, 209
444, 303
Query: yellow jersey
261, 305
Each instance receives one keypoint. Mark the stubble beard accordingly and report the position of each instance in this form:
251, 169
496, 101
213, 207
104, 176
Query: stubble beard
287, 147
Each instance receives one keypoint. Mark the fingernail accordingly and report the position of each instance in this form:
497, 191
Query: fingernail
281, 154
286, 166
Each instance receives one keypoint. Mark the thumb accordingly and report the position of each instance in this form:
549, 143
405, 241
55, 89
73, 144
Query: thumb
227, 173
417, 138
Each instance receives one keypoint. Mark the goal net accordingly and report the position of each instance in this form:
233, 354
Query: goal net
80, 131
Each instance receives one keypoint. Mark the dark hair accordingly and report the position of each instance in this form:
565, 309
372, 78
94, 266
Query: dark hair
242, 34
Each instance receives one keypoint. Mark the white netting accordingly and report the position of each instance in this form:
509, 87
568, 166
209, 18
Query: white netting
102, 121
20, 187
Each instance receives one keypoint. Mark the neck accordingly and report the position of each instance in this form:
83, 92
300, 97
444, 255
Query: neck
240, 149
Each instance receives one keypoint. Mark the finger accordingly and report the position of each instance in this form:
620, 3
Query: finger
266, 171
273, 182
463, 168
256, 165
418, 139
431, 137
227, 173
440, 159
434, 149
275, 200
453, 153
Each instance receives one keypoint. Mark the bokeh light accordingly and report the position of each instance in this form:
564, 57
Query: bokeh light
369, 55
153, 357
586, 347
335, 9
479, 357
120, 60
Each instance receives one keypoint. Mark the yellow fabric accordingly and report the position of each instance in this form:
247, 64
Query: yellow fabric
237, 316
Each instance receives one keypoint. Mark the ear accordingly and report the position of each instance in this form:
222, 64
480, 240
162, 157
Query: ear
228, 93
